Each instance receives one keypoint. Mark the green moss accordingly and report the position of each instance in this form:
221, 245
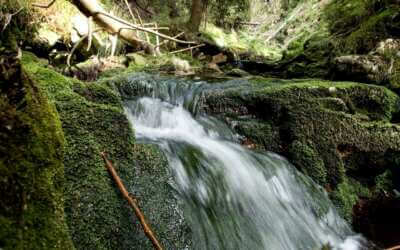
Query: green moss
384, 182
369, 33
308, 159
345, 198
93, 121
321, 126
394, 78
358, 25
31, 167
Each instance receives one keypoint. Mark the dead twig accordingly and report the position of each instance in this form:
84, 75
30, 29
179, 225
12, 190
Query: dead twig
8, 18
394, 248
45, 6
190, 48
166, 41
77, 45
132, 15
141, 23
90, 33
132, 202
157, 48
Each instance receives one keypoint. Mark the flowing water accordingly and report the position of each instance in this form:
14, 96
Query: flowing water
235, 198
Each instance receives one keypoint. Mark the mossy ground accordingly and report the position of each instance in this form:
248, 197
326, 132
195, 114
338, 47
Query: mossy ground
93, 121
337, 133
31, 165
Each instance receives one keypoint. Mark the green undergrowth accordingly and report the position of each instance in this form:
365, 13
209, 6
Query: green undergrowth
344, 27
31, 166
93, 121
153, 64
359, 25
239, 42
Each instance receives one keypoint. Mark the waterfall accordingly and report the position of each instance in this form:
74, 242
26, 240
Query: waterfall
234, 198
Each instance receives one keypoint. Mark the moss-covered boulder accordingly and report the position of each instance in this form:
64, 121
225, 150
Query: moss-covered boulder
31, 164
380, 66
343, 134
93, 121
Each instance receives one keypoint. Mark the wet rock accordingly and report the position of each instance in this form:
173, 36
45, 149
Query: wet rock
31, 163
338, 133
380, 66
98, 217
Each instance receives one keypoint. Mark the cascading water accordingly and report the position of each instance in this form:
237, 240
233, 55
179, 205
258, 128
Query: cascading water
235, 198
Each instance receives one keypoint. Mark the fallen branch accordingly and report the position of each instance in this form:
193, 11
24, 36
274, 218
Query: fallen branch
157, 48
8, 18
133, 203
90, 33
141, 23
130, 12
77, 44
142, 28
190, 48
166, 41
394, 248
45, 6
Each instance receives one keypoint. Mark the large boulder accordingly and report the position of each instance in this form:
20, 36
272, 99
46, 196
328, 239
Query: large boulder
31, 163
98, 217
380, 66
344, 135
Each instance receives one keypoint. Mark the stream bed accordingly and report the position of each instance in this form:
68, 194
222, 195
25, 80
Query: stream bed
234, 198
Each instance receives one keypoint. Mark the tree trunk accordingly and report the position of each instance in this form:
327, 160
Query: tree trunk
92, 8
197, 12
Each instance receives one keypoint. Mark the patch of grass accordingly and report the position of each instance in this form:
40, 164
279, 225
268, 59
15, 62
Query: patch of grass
239, 42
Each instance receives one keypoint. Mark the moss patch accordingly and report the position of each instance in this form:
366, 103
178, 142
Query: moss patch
93, 120
31, 165
332, 131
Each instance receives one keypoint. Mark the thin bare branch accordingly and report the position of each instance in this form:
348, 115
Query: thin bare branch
190, 48
18, 11
141, 23
114, 42
394, 248
166, 41
131, 13
90, 33
132, 202
45, 6
8, 18
77, 45
157, 48
142, 28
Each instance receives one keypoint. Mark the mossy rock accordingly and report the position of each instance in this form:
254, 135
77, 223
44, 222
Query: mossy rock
329, 130
346, 27
359, 25
31, 164
98, 217
308, 160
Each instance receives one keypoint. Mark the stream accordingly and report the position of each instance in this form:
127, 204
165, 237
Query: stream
234, 198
